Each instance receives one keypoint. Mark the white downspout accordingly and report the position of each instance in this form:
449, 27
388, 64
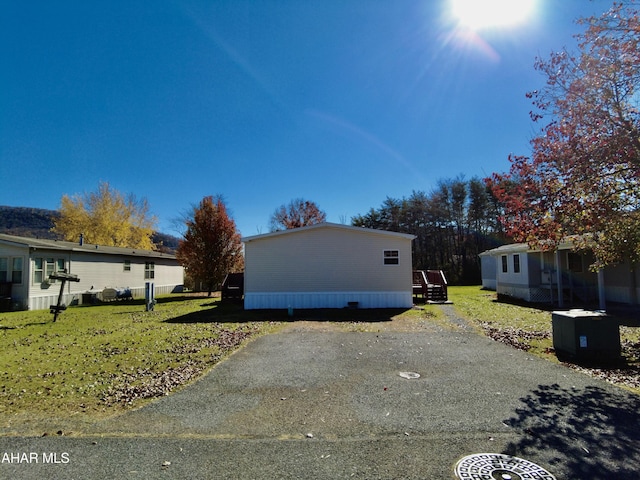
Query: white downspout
601, 293
559, 282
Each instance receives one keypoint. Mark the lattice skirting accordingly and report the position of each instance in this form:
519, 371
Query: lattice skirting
529, 294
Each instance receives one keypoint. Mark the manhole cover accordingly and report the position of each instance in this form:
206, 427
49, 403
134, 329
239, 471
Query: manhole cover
495, 466
409, 375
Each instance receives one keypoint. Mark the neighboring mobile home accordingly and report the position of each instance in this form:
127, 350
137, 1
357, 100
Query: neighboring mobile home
328, 266
532, 275
27, 263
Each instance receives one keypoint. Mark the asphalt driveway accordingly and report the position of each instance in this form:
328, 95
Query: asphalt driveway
323, 403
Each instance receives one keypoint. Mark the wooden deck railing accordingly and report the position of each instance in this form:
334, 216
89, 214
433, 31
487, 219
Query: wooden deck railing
431, 284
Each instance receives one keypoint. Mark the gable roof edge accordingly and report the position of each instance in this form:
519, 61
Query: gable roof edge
336, 226
61, 245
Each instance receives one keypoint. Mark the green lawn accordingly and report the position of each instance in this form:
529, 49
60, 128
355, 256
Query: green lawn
101, 359
525, 327
529, 328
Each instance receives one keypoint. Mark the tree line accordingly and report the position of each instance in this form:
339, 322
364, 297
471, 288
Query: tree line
453, 223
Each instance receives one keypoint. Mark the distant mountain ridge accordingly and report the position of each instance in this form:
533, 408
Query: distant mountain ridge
38, 222
27, 222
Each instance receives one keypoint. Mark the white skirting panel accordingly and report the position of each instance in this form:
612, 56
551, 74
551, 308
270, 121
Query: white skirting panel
45, 301
283, 300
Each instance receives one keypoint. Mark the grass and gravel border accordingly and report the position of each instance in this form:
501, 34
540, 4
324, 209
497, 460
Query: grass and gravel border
528, 328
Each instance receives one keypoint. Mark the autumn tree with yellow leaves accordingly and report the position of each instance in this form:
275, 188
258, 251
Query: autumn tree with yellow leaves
106, 217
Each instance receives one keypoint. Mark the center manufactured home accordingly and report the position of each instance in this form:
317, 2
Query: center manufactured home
328, 266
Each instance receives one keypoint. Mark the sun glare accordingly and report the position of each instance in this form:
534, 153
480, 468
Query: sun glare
482, 14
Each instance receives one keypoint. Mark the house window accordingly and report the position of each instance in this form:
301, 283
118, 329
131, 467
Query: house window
15, 274
49, 268
149, 271
4, 269
127, 265
575, 262
391, 257
38, 270
43, 268
516, 263
16, 270
505, 265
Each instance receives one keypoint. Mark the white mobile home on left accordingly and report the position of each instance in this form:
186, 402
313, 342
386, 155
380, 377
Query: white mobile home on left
26, 265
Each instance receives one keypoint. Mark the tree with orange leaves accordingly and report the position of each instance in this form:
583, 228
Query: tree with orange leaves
211, 247
298, 213
583, 178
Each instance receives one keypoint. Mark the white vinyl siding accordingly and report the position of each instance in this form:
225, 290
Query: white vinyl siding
106, 271
324, 260
97, 272
327, 267
30, 261
538, 277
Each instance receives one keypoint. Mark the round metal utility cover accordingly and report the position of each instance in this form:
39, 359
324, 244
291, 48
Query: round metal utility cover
495, 466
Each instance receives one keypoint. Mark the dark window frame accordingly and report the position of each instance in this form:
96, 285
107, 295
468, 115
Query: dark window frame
149, 270
391, 257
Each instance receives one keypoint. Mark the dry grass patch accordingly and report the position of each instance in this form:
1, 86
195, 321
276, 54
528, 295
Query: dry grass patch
419, 318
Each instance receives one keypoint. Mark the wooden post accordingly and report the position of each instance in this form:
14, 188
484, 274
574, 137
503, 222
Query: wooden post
57, 309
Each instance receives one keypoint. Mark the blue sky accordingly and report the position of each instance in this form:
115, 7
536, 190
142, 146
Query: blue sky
342, 102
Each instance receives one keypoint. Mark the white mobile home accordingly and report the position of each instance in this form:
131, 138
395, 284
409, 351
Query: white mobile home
26, 265
328, 266
556, 276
